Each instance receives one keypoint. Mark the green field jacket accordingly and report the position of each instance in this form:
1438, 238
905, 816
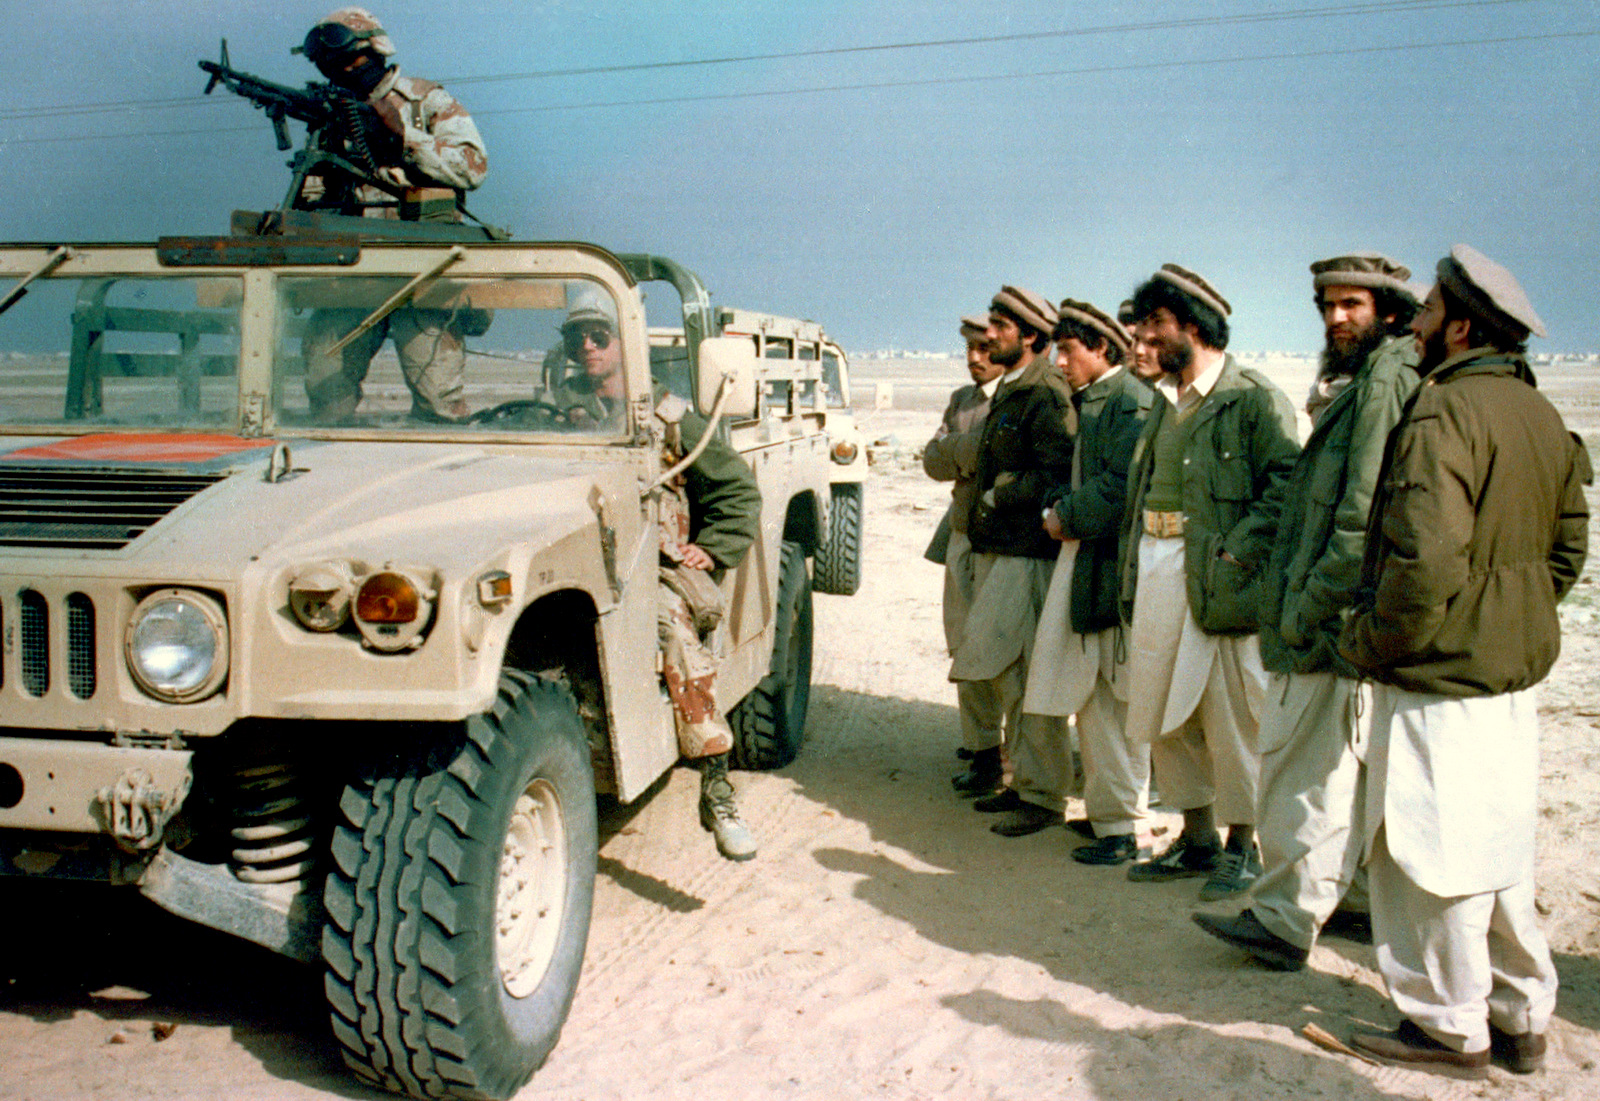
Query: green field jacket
1111, 411
1315, 567
1236, 466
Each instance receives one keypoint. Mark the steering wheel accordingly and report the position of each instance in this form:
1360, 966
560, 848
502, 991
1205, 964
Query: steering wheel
532, 410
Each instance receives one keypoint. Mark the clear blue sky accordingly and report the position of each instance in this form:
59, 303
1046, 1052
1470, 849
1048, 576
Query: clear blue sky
1241, 149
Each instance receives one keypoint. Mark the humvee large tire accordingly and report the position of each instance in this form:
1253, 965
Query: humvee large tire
838, 562
458, 900
769, 724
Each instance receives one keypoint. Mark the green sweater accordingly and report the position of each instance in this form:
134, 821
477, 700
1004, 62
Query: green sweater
1236, 462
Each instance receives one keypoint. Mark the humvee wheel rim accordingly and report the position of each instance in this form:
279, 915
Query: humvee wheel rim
531, 897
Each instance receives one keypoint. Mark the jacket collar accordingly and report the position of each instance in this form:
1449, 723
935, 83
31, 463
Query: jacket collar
1482, 361
1036, 373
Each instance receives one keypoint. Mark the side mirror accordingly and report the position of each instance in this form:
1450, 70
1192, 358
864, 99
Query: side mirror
726, 357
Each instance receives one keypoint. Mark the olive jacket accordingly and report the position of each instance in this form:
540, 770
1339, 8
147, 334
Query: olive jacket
724, 499
1236, 466
1111, 411
1315, 567
1024, 452
1479, 527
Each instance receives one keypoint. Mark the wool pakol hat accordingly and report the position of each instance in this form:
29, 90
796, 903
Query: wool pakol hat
1363, 269
974, 327
1031, 309
1125, 313
1195, 287
1096, 319
1489, 291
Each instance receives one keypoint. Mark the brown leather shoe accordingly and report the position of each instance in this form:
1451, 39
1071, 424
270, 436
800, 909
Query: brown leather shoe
1518, 1052
1409, 1046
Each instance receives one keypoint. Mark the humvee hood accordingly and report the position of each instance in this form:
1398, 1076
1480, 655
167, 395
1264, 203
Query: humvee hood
425, 502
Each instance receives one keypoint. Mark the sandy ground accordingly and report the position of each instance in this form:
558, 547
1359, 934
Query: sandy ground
885, 944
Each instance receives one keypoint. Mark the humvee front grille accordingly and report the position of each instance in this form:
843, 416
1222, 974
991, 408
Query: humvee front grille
80, 646
35, 617
88, 509
38, 617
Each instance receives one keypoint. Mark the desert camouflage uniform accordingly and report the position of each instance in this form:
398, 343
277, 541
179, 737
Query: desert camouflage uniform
440, 146
716, 505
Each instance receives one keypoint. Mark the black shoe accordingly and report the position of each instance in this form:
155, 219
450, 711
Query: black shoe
1118, 848
1026, 819
1410, 1047
1349, 925
1183, 859
963, 753
1518, 1052
1247, 932
1082, 827
1002, 800
983, 774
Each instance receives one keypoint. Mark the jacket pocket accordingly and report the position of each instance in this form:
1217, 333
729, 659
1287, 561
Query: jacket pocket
1233, 596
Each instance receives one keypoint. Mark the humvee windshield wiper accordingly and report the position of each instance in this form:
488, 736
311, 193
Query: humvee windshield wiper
398, 298
51, 263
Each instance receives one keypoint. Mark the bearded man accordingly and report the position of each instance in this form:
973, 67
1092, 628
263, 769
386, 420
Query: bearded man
1478, 528
1024, 451
1205, 490
1318, 714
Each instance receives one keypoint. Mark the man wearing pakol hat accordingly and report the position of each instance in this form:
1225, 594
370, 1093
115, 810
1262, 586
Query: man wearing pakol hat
1478, 528
1025, 450
1078, 650
1318, 714
1204, 493
952, 456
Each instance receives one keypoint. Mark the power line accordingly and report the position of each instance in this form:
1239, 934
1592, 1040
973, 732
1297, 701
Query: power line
1371, 7
1379, 7
931, 81
1096, 69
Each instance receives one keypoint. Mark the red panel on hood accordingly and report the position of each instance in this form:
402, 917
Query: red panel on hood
108, 447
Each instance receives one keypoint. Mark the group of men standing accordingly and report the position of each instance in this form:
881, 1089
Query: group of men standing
1324, 655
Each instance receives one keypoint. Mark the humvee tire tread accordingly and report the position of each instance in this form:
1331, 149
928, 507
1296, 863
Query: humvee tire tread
838, 561
412, 980
769, 724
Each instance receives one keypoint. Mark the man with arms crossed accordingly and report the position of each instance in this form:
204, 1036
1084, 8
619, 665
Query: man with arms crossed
1078, 665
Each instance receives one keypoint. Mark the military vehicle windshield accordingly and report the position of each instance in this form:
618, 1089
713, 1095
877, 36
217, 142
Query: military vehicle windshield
122, 352
501, 355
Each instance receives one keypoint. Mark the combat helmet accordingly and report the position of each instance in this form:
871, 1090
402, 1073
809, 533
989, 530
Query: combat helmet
343, 32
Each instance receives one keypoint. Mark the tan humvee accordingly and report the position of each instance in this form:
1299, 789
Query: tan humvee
346, 686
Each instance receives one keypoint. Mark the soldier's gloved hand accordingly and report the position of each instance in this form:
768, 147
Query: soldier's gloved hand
695, 558
393, 174
1052, 524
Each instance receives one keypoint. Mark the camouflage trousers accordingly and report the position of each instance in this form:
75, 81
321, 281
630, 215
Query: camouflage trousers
690, 670
432, 359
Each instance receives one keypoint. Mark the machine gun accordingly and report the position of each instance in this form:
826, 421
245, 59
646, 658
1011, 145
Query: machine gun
346, 141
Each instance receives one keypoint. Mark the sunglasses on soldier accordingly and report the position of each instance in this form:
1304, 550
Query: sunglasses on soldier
598, 335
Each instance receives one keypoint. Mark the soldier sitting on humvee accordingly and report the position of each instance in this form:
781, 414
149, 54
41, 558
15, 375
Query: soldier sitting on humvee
709, 516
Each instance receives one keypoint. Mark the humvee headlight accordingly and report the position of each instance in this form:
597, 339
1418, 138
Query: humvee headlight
319, 596
844, 452
392, 608
177, 645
